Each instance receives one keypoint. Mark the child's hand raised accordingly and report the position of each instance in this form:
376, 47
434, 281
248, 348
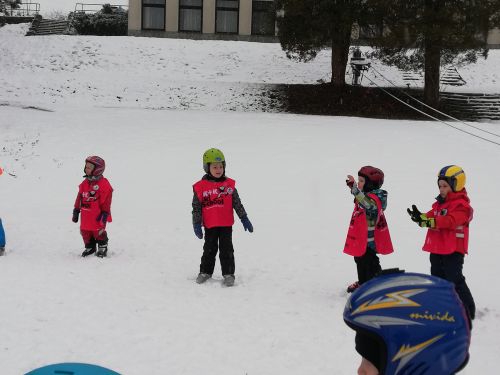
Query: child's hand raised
350, 181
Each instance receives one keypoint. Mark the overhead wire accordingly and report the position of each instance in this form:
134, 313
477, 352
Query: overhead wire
430, 116
434, 109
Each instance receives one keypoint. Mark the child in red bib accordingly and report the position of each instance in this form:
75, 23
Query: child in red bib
447, 237
368, 233
214, 199
94, 203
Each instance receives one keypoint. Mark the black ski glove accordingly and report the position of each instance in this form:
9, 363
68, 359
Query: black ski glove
76, 212
421, 219
414, 213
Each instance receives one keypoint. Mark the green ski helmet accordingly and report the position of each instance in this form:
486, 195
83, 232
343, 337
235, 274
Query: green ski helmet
213, 155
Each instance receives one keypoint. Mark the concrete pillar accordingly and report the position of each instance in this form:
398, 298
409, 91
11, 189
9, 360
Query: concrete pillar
134, 14
172, 15
494, 37
245, 17
208, 17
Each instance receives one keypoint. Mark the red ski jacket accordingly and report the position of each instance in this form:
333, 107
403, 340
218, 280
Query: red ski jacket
357, 235
93, 198
451, 233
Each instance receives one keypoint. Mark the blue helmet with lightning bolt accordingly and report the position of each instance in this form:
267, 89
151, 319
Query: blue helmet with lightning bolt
409, 323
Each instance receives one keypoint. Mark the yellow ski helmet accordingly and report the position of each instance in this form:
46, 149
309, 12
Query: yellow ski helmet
213, 155
454, 176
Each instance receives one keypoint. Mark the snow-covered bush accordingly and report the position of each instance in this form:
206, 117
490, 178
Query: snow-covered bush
108, 21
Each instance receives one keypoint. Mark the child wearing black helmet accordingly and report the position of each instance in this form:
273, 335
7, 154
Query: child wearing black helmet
368, 233
447, 238
214, 199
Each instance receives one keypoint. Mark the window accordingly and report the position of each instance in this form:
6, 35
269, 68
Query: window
190, 15
226, 19
263, 18
153, 14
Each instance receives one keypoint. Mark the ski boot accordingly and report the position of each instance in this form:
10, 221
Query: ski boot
202, 277
102, 250
351, 288
2, 251
228, 280
88, 250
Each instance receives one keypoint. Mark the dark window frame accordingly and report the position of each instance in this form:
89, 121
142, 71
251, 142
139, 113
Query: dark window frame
236, 10
164, 7
263, 11
190, 7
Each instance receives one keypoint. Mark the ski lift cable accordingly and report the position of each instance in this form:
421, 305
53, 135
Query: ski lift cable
430, 116
434, 109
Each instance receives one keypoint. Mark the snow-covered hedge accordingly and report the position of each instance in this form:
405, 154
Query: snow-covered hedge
104, 22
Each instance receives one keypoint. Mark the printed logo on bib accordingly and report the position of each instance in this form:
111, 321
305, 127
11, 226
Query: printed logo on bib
214, 197
89, 196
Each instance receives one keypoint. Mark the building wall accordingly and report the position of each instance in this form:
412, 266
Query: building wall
494, 38
208, 16
134, 15
208, 23
172, 16
245, 17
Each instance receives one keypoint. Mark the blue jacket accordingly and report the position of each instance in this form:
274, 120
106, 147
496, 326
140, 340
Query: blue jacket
2, 235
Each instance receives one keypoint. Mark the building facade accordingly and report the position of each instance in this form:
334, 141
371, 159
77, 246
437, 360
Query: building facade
253, 20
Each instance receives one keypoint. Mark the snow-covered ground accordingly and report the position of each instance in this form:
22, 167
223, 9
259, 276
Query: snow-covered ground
49, 71
139, 311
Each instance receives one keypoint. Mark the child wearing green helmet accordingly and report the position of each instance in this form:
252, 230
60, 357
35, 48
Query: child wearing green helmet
214, 199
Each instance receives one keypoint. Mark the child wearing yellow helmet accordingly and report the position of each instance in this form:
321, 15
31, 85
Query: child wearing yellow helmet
214, 199
447, 237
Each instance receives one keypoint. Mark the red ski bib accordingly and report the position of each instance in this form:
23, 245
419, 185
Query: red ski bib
357, 235
216, 202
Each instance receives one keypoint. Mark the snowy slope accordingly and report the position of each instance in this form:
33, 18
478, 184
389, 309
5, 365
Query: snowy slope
159, 73
140, 311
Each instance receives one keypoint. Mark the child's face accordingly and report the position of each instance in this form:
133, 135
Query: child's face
89, 167
444, 188
361, 182
216, 169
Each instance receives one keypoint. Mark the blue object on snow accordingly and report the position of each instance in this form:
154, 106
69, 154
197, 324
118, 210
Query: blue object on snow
411, 323
72, 369
2, 235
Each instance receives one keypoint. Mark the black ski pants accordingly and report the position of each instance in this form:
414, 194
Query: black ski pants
449, 267
218, 239
368, 265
